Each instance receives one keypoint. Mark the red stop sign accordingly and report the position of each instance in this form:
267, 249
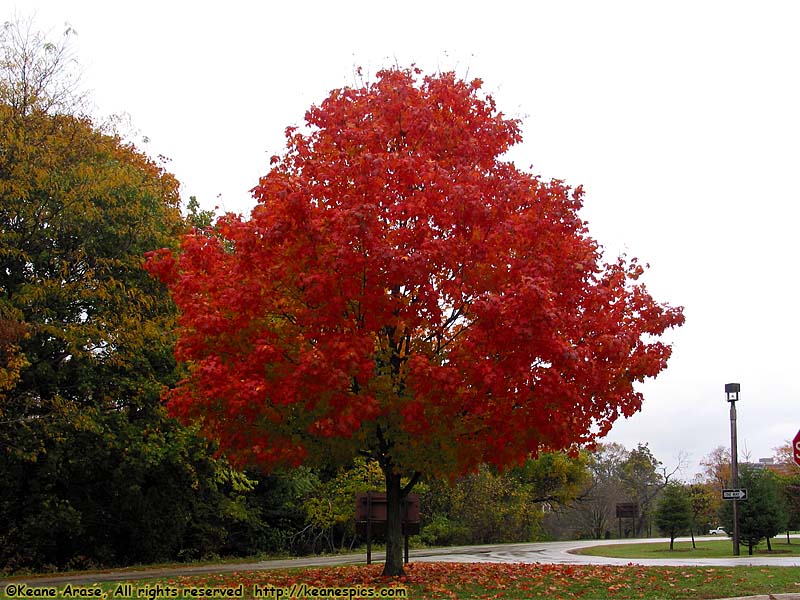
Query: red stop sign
796, 449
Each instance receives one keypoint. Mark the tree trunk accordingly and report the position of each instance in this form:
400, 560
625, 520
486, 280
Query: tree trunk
393, 567
671, 543
693, 545
769, 544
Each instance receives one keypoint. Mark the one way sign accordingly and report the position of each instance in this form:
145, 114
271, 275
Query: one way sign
734, 494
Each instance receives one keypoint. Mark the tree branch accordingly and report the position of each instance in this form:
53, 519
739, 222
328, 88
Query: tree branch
411, 483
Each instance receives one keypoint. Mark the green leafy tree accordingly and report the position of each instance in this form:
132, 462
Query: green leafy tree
486, 506
763, 515
554, 478
673, 514
330, 506
93, 470
791, 492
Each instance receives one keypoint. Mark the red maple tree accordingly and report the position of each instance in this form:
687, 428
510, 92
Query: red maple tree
401, 292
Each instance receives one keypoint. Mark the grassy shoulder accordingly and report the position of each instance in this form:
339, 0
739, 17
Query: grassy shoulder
705, 548
449, 580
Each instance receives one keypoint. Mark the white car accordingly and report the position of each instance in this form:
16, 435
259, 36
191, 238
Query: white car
717, 531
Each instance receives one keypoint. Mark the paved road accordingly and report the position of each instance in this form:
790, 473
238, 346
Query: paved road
561, 553
542, 552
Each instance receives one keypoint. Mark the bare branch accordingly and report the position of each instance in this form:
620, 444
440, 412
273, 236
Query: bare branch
37, 73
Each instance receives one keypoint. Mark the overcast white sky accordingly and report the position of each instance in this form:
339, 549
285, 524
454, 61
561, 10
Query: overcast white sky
681, 119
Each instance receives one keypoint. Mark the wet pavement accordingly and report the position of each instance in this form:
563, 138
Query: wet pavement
563, 553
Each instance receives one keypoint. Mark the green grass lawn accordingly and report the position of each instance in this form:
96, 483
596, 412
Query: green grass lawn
446, 580
722, 548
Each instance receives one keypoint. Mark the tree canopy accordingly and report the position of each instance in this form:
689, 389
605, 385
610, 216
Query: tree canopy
764, 514
674, 512
94, 471
402, 292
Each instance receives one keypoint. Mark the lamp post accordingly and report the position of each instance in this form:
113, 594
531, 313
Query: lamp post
732, 393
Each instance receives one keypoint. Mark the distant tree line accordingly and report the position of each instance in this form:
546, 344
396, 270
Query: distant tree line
771, 506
